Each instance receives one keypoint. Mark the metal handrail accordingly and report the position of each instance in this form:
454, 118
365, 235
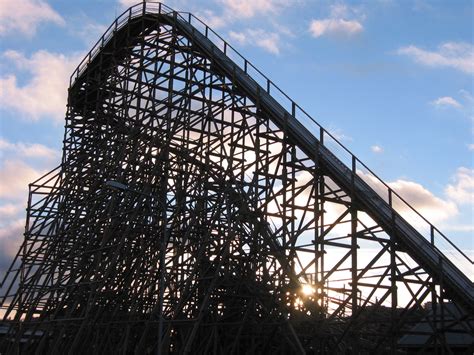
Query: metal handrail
143, 8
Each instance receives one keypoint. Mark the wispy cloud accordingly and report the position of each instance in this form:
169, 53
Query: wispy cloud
467, 97
228, 10
211, 18
462, 189
231, 11
342, 21
422, 6
27, 150
25, 16
446, 101
44, 95
339, 134
127, 3
15, 176
178, 5
8, 210
89, 31
269, 41
456, 55
251, 8
376, 149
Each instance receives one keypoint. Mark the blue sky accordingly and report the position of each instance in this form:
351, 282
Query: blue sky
392, 79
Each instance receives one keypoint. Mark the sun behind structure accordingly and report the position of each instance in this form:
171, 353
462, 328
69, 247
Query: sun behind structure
307, 290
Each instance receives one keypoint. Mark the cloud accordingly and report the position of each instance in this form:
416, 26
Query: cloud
178, 5
89, 31
467, 96
376, 149
462, 191
211, 19
15, 176
470, 146
9, 210
440, 210
269, 41
127, 3
422, 6
11, 237
233, 10
251, 8
45, 93
434, 209
25, 16
342, 21
27, 150
319, 28
446, 101
459, 228
456, 55
338, 134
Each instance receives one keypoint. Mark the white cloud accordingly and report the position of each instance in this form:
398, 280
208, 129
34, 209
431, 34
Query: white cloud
127, 3
211, 19
462, 191
433, 208
178, 5
24, 16
15, 176
457, 55
27, 150
342, 21
250, 8
376, 149
232, 10
336, 26
437, 210
45, 93
446, 101
470, 146
239, 37
269, 41
338, 134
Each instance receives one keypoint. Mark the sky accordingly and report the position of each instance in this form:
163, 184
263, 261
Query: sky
393, 80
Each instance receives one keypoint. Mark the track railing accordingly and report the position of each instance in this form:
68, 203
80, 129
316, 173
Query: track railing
437, 239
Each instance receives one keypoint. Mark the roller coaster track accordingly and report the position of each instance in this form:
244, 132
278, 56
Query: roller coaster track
425, 245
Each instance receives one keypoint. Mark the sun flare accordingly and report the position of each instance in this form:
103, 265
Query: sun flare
307, 290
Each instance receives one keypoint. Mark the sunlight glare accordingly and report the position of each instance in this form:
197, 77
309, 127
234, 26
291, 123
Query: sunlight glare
307, 290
